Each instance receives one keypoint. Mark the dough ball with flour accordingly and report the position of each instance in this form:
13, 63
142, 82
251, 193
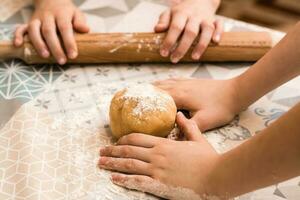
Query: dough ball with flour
142, 109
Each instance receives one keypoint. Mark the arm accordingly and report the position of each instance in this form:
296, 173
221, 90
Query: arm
265, 159
48, 17
273, 155
226, 98
155, 165
278, 66
270, 157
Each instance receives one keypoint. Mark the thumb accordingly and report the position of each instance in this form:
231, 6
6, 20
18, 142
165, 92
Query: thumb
189, 128
201, 119
79, 22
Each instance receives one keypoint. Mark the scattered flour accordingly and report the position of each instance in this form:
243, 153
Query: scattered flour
27, 53
129, 40
157, 188
147, 97
117, 48
139, 48
83, 127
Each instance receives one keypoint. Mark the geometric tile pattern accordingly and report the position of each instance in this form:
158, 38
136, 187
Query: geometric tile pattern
42, 161
49, 147
18, 81
9, 8
49, 153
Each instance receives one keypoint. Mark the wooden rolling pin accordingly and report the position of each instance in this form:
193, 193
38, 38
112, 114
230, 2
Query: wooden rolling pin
144, 47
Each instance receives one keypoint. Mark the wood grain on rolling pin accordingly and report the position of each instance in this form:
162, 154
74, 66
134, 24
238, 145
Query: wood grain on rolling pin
144, 47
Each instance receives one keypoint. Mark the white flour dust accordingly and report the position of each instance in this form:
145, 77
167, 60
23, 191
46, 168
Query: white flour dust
27, 52
147, 97
157, 188
87, 127
128, 38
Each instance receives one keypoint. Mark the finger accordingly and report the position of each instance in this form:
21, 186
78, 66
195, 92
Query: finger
140, 140
66, 30
19, 34
125, 165
218, 31
190, 34
126, 151
146, 184
35, 36
175, 30
163, 83
177, 96
163, 22
50, 35
79, 22
188, 127
168, 83
205, 38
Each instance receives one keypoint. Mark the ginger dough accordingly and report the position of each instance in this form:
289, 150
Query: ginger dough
142, 109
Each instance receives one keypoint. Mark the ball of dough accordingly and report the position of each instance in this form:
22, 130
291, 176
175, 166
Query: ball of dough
144, 109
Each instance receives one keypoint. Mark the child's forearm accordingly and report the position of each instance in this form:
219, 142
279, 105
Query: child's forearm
269, 157
278, 66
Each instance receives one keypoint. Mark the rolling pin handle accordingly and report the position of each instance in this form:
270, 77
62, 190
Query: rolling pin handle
9, 51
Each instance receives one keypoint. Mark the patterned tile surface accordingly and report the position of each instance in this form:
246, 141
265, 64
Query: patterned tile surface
54, 119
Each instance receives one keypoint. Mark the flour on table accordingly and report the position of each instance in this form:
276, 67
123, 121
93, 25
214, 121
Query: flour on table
162, 190
86, 127
77, 135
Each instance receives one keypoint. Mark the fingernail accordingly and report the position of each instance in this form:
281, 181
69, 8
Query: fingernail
18, 42
217, 38
102, 150
61, 61
164, 53
196, 56
73, 54
45, 53
179, 113
175, 59
116, 178
102, 160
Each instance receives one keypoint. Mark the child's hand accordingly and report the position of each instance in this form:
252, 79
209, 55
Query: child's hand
157, 163
189, 18
49, 19
212, 103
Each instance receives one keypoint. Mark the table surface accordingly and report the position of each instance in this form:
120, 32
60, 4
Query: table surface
54, 118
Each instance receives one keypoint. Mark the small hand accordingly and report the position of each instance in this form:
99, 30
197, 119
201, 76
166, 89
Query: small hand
211, 103
160, 162
189, 18
48, 18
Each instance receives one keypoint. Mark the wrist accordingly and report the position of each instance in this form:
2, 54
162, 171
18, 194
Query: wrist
210, 3
247, 91
39, 2
236, 104
216, 3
